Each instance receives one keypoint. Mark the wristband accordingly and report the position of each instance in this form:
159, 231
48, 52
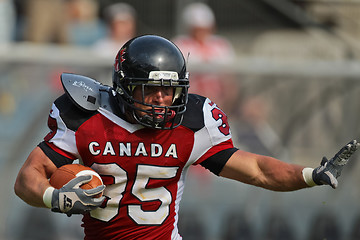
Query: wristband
307, 175
47, 197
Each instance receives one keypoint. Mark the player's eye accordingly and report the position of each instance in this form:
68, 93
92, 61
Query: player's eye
166, 91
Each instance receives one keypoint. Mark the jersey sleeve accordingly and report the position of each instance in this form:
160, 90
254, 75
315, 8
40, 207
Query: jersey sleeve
216, 162
56, 155
64, 119
60, 135
213, 138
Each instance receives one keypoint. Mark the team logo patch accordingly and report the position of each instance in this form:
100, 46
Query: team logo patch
119, 59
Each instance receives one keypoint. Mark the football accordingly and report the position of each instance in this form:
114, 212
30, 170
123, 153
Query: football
65, 173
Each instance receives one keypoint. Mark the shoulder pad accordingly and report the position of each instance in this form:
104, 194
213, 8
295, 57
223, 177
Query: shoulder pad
84, 91
194, 115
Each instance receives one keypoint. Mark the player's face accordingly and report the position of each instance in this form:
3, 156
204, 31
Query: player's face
160, 96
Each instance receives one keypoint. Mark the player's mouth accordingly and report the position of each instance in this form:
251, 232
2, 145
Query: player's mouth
160, 113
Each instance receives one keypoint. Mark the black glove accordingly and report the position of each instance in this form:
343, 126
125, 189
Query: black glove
71, 199
330, 170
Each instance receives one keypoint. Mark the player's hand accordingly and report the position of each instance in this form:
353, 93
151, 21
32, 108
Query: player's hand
330, 170
71, 199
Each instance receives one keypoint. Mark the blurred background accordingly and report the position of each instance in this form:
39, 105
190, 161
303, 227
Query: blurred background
286, 72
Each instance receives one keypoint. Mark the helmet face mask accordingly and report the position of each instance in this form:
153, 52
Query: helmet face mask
152, 61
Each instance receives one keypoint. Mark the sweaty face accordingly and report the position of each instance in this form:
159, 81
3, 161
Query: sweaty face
159, 96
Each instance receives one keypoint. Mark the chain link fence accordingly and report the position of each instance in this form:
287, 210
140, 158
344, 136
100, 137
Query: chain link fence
295, 110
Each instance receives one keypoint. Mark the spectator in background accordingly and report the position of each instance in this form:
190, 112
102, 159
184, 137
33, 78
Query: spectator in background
121, 21
46, 21
253, 131
204, 47
7, 21
85, 26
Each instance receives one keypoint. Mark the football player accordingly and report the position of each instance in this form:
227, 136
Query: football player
142, 135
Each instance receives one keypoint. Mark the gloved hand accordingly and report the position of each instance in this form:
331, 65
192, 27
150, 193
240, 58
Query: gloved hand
330, 170
71, 199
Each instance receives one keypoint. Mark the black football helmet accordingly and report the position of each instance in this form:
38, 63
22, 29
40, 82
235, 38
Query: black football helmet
151, 60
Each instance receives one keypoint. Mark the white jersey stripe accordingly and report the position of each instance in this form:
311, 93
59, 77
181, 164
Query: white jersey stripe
115, 119
181, 183
64, 137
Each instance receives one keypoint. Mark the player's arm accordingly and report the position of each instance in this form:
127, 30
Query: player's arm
33, 187
273, 174
32, 179
263, 171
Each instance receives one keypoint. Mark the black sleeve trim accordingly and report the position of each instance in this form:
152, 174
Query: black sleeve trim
58, 159
216, 162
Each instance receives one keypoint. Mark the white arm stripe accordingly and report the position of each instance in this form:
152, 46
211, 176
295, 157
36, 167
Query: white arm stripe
64, 137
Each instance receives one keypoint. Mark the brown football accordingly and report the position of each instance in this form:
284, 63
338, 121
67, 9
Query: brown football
65, 173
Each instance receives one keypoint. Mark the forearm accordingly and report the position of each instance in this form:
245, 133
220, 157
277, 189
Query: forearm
263, 171
32, 179
31, 189
280, 176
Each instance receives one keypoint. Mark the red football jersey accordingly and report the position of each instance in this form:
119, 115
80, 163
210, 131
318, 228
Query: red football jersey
143, 169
